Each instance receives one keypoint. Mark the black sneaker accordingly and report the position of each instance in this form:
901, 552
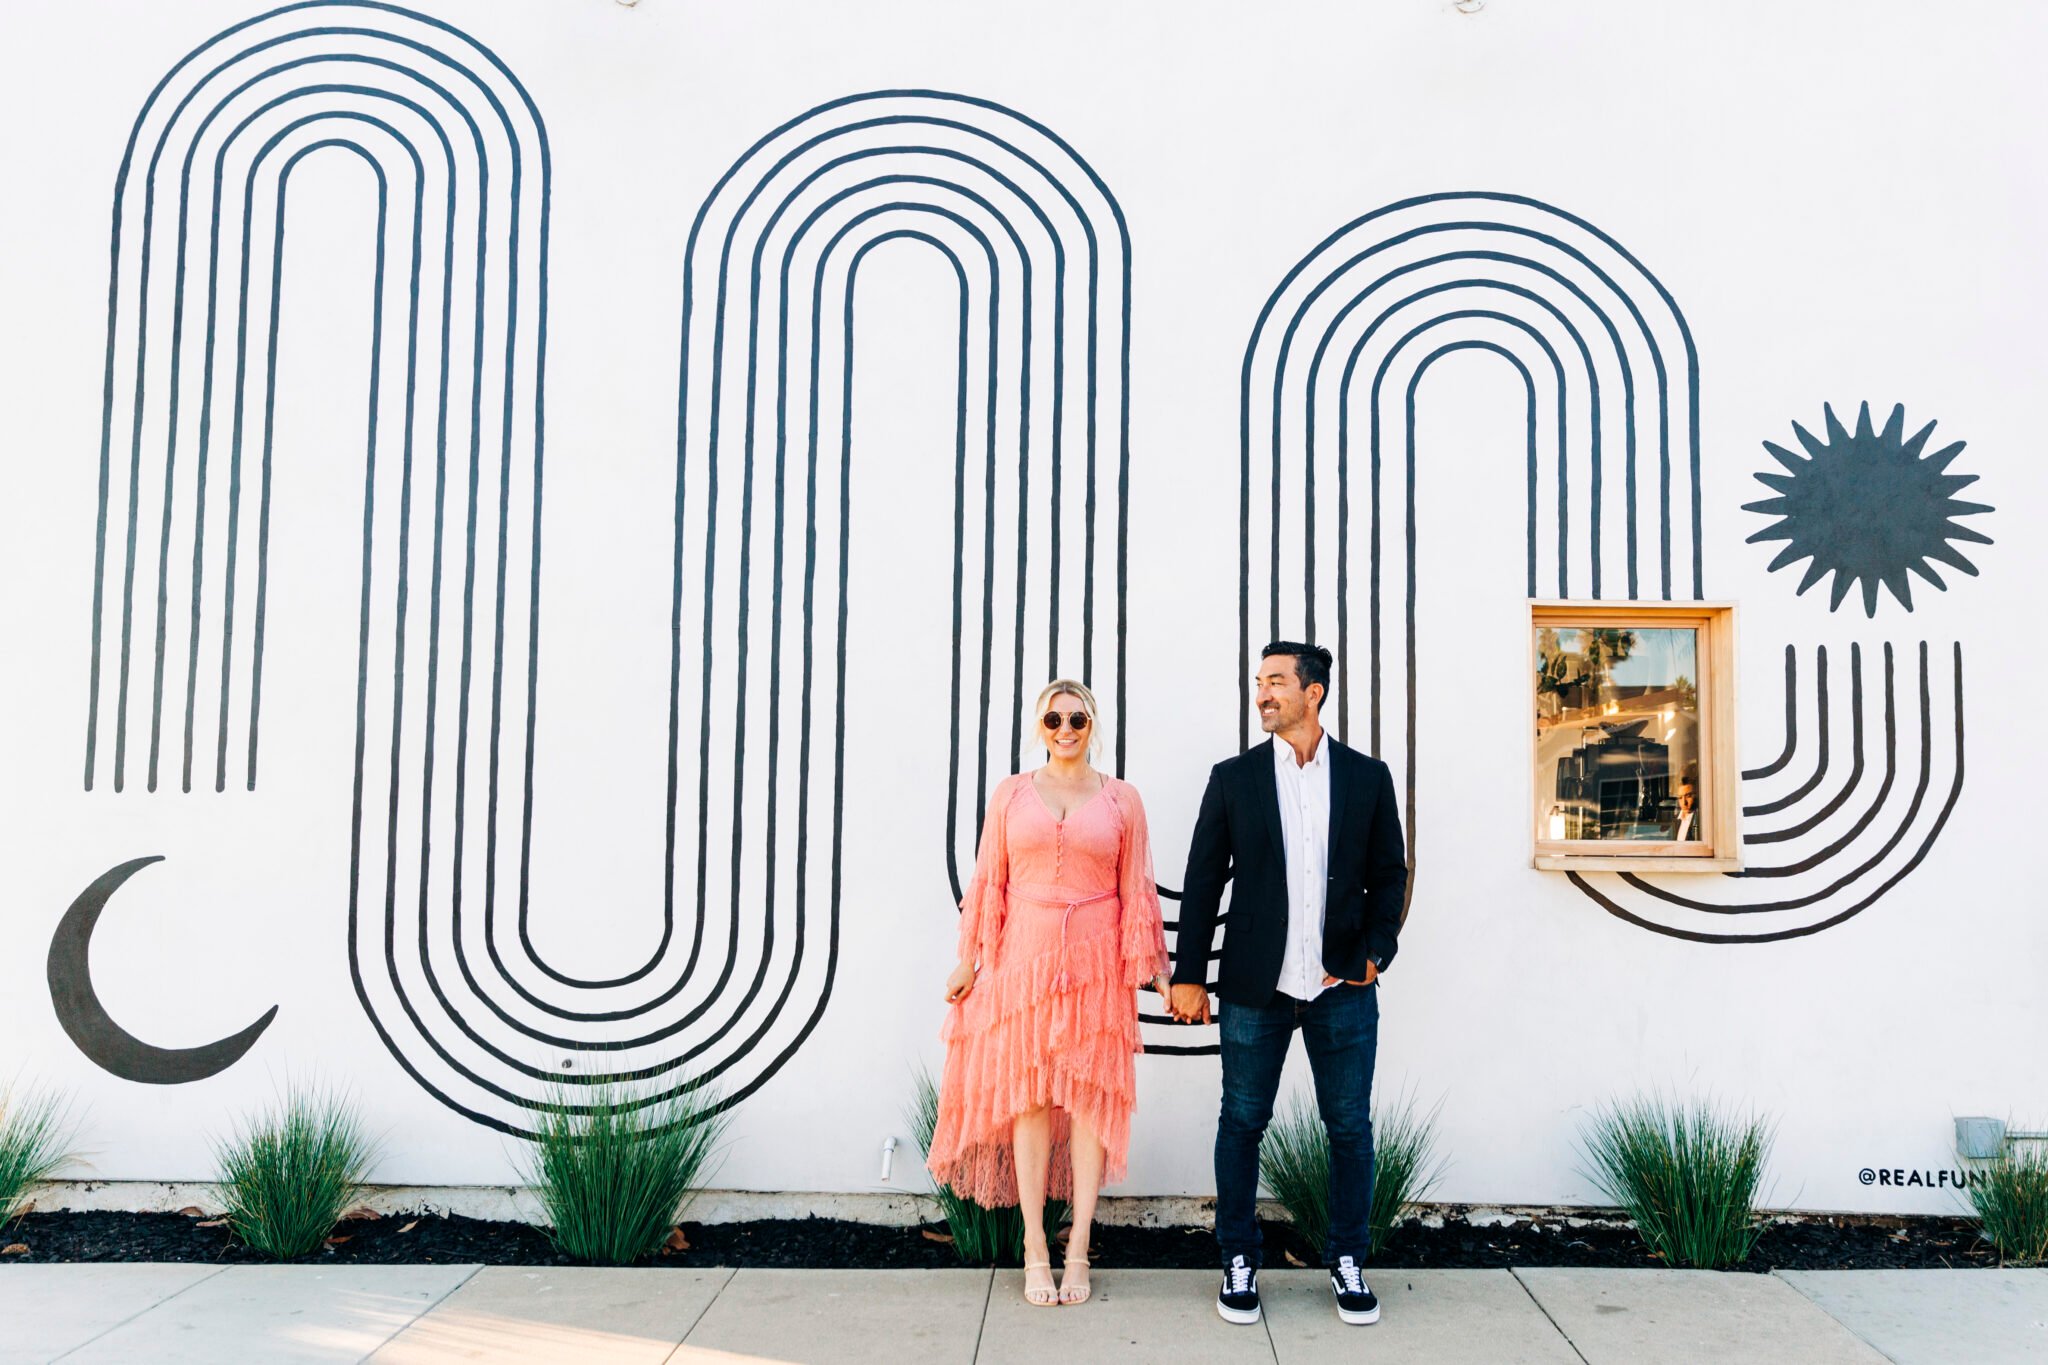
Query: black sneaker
1355, 1303
1238, 1300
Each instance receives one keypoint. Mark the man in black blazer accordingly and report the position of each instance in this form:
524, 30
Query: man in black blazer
1309, 832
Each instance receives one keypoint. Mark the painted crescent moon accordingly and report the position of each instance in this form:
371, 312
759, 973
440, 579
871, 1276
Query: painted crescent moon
108, 1044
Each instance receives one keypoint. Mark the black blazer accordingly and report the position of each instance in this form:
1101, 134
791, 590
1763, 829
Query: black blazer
1237, 838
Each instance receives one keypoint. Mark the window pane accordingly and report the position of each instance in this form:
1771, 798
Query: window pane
1617, 734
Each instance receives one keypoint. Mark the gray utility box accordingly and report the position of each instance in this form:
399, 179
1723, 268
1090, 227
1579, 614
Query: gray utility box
1980, 1138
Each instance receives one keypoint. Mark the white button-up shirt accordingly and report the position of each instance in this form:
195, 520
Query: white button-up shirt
1304, 791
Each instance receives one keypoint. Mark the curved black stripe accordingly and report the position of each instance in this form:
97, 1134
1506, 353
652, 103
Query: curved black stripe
483, 160
1483, 226
736, 915
1344, 518
1649, 336
532, 348
1791, 721
677, 985
845, 542
1955, 792
207, 369
1344, 387
371, 425
1414, 820
1563, 320
1829, 851
736, 918
1375, 547
953, 814
1821, 737
709, 1074
834, 926
1825, 855
147, 249
1017, 684
270, 383
390, 870
1835, 802
1330, 276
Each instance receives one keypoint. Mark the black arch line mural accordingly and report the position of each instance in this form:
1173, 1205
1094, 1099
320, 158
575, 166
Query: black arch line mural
1039, 250
1040, 254
1396, 290
1874, 837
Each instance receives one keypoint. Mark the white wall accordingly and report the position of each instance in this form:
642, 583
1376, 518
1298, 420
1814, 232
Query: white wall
1844, 203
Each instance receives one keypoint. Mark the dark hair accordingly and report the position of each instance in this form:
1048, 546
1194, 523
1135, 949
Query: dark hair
1311, 662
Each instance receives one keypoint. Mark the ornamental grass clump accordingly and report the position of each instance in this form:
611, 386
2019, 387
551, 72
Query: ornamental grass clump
981, 1235
613, 1169
2009, 1197
1686, 1174
1294, 1163
35, 1133
288, 1175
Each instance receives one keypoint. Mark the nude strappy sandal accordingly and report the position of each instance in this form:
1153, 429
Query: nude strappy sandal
1073, 1294
1040, 1298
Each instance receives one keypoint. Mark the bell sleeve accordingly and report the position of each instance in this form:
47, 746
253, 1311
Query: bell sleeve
1143, 937
982, 906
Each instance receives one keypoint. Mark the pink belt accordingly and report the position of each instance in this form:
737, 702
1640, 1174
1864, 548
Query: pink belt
1066, 914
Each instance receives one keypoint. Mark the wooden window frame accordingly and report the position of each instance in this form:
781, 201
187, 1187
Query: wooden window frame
1720, 777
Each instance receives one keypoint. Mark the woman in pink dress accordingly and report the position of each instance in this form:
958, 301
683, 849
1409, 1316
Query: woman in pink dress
1059, 927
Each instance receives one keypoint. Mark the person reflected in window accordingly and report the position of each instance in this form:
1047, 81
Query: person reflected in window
1688, 815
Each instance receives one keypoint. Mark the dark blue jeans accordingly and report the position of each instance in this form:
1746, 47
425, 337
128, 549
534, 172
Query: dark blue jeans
1340, 1029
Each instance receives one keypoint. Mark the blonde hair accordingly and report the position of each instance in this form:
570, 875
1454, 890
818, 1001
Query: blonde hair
1068, 687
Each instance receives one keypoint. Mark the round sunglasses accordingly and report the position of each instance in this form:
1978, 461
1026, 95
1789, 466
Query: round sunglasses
1076, 720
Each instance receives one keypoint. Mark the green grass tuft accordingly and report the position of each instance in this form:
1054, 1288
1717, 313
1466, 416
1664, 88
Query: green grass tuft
288, 1175
981, 1235
1687, 1175
2009, 1197
613, 1170
1294, 1163
1405, 1166
35, 1135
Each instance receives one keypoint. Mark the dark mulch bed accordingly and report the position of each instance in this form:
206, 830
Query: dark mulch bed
1810, 1244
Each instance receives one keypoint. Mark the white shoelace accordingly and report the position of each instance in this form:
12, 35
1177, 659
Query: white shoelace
1239, 1277
1348, 1276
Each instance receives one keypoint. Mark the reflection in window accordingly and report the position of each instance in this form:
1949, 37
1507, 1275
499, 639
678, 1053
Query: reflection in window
1618, 734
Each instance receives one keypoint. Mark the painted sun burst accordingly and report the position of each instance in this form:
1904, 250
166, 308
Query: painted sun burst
1868, 507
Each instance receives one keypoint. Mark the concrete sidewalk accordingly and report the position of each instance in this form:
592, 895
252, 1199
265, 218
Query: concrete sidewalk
423, 1315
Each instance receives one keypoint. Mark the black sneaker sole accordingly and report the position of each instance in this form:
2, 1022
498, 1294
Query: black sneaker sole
1243, 1317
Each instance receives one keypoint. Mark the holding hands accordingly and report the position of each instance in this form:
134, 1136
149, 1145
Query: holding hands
1189, 1003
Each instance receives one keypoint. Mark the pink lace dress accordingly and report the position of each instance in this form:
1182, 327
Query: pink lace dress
1063, 917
